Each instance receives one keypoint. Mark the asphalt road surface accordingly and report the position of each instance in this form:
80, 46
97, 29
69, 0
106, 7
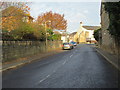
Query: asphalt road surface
81, 67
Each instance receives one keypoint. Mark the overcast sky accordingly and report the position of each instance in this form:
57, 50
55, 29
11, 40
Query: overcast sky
75, 12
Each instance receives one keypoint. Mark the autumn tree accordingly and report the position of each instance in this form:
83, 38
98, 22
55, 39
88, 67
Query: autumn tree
56, 35
39, 31
10, 10
22, 5
14, 23
13, 12
57, 21
96, 34
10, 22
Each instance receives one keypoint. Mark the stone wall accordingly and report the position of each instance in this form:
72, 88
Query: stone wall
12, 50
108, 42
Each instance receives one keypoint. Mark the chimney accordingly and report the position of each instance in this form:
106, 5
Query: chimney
81, 23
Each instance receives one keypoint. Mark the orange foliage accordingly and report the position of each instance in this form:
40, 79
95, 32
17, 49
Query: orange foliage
12, 17
10, 23
57, 21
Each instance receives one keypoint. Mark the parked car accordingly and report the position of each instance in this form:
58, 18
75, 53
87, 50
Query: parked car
74, 43
67, 46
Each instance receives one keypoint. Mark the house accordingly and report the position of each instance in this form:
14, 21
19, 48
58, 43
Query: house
65, 37
71, 36
84, 34
90, 33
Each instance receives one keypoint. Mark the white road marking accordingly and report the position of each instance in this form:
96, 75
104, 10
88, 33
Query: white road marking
41, 80
47, 76
71, 55
64, 62
53, 72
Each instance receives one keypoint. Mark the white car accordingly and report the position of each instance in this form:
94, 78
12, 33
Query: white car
67, 46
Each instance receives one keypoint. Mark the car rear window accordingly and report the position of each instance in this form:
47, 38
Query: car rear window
65, 43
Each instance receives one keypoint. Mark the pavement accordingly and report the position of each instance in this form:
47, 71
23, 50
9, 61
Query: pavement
81, 67
111, 58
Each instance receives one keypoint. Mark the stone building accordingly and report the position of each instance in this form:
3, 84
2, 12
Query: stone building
71, 36
84, 34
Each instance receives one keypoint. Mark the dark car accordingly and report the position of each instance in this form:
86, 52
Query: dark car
67, 46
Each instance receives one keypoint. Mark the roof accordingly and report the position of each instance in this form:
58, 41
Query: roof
63, 34
72, 34
91, 27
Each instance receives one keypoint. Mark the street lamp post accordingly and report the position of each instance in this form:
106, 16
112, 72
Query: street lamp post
45, 35
46, 31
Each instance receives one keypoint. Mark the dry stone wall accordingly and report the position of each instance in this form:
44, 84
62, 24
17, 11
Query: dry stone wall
12, 50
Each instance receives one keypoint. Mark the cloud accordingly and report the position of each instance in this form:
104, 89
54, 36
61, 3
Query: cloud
76, 18
85, 11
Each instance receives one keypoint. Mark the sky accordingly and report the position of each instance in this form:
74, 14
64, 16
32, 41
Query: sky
74, 12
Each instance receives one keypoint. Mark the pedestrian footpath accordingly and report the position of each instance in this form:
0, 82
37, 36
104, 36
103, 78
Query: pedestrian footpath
111, 58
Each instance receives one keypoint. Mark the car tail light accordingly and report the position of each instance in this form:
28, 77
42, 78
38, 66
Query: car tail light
62, 45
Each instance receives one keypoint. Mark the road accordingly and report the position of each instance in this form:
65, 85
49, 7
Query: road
81, 67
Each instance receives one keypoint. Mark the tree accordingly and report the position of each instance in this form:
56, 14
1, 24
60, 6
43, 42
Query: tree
56, 37
57, 21
39, 31
14, 25
22, 31
20, 5
96, 34
11, 22
13, 13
